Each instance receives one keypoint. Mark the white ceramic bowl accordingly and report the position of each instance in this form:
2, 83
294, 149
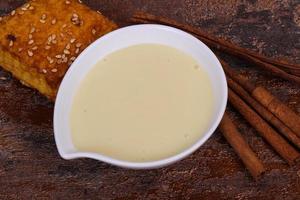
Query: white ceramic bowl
119, 39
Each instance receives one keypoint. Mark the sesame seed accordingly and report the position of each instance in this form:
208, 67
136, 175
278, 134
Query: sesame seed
54, 41
44, 16
47, 47
50, 60
44, 71
63, 56
32, 30
68, 46
66, 51
27, 5
77, 50
13, 13
20, 49
54, 70
72, 40
64, 26
68, 2
30, 36
53, 21
42, 21
99, 12
62, 35
58, 56
75, 19
65, 60
30, 53
31, 8
78, 45
53, 36
72, 58
11, 43
30, 42
34, 48
94, 31
21, 12
79, 1
2, 78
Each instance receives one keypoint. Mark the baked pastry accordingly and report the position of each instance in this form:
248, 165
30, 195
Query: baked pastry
40, 40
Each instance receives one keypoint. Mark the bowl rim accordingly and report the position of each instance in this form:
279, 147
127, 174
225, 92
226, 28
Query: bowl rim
129, 164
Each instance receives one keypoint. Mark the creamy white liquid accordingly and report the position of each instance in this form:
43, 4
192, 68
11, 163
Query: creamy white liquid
142, 103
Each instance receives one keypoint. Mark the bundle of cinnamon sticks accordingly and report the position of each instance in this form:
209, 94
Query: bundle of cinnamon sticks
273, 120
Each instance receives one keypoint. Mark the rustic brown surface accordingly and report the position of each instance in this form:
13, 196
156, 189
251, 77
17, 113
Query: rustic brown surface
30, 166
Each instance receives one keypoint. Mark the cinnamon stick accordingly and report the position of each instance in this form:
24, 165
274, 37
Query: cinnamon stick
267, 115
284, 149
270, 102
276, 67
241, 147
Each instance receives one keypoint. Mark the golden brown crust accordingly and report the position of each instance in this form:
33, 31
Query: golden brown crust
43, 37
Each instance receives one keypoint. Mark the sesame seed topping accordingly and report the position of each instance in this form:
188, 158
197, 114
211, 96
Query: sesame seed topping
58, 56
44, 16
72, 58
54, 70
53, 36
34, 48
62, 35
13, 13
66, 51
99, 12
53, 21
63, 56
67, 2
32, 30
44, 71
47, 47
30, 53
21, 12
64, 26
54, 41
75, 19
77, 50
50, 60
42, 21
2, 78
30, 42
79, 1
68, 46
20, 49
11, 43
94, 31
30, 36
31, 8
65, 60
26, 6
78, 45
72, 40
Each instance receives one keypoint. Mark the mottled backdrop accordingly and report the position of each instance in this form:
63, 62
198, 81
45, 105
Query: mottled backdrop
30, 166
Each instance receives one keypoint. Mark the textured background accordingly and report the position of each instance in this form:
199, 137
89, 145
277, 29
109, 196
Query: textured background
30, 166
